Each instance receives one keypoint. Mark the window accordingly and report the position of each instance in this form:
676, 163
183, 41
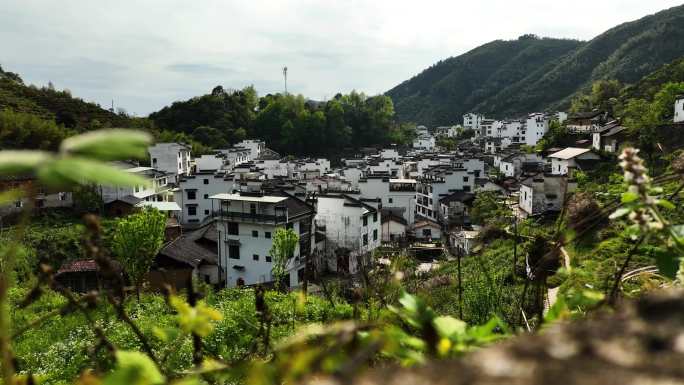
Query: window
255, 257
233, 228
255, 234
427, 232
233, 251
389, 200
252, 208
365, 221
192, 194
206, 212
365, 239
465, 178
267, 234
154, 161
192, 210
375, 235
205, 181
268, 258
206, 196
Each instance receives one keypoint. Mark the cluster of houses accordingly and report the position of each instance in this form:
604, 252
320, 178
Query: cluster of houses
224, 208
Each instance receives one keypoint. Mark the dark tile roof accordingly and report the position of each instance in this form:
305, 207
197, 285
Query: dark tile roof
194, 248
458, 196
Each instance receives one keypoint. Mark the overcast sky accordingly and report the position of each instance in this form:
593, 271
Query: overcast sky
145, 54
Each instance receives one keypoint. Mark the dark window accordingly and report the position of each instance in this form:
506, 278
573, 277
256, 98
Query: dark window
192, 210
365, 221
427, 232
465, 178
206, 212
375, 217
268, 258
267, 234
233, 228
255, 234
375, 235
192, 194
389, 200
289, 225
206, 181
466, 188
255, 257
206, 196
252, 208
365, 239
234, 251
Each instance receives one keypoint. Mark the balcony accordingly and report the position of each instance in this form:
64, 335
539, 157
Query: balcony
237, 216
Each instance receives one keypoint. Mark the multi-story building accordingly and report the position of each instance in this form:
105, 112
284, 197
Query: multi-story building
565, 161
473, 122
171, 158
541, 193
246, 224
439, 182
396, 195
352, 229
536, 125
256, 147
157, 189
194, 193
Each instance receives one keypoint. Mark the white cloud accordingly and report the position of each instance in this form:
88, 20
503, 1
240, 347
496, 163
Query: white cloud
146, 54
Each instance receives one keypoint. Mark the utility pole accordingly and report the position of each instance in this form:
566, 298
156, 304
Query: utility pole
515, 242
460, 287
285, 77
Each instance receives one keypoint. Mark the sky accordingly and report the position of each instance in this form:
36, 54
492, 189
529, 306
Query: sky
146, 54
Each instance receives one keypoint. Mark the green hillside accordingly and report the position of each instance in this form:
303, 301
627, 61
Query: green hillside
507, 78
60, 106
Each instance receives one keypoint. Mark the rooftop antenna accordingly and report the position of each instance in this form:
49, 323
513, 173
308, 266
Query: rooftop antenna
285, 76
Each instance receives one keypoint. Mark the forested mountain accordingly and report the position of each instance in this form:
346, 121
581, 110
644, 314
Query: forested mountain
506, 78
50, 104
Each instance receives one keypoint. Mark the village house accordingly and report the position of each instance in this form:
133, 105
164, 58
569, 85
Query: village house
352, 228
194, 194
463, 241
393, 227
473, 121
455, 208
679, 109
565, 161
543, 192
587, 122
44, 198
515, 164
609, 137
436, 183
171, 158
427, 230
158, 188
246, 224
396, 195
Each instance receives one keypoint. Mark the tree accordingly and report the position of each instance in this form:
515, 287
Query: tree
137, 240
283, 248
488, 207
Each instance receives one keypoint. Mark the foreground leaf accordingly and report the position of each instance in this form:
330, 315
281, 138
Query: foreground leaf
112, 144
68, 172
21, 162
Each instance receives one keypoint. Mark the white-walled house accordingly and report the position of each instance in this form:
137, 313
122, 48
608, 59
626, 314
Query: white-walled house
679, 109
439, 182
464, 240
352, 229
536, 125
246, 224
393, 227
396, 195
172, 158
255, 147
565, 161
541, 193
157, 189
473, 121
424, 142
609, 137
194, 194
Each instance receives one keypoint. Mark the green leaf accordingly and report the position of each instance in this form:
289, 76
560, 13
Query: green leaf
409, 302
19, 162
134, 368
628, 197
67, 172
449, 326
621, 212
109, 144
666, 204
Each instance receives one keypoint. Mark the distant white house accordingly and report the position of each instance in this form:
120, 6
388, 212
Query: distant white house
424, 142
171, 158
608, 137
679, 109
565, 161
194, 194
536, 125
255, 147
541, 193
473, 121
464, 240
